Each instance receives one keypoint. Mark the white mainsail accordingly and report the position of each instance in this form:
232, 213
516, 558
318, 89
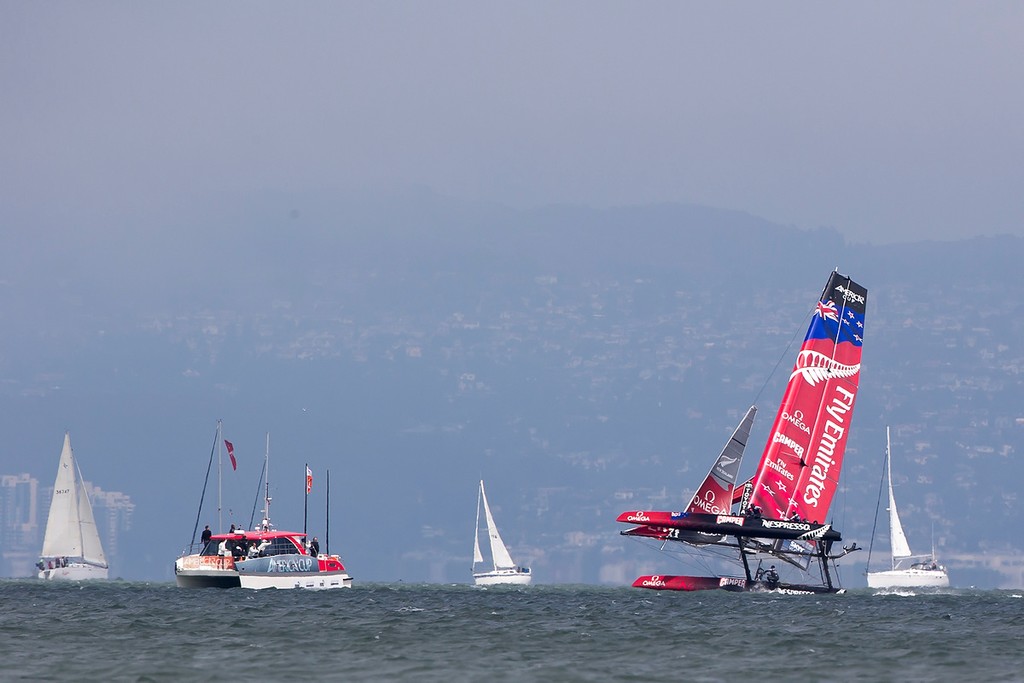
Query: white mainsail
897, 539
70, 527
478, 557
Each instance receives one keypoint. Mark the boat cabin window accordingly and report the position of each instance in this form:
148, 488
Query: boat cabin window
281, 546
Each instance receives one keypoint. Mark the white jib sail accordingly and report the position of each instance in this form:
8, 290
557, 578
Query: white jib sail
898, 540
502, 560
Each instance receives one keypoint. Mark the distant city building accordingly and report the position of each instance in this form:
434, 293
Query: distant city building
19, 524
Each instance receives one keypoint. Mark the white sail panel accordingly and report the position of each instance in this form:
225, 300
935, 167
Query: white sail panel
898, 540
92, 549
477, 555
63, 537
502, 560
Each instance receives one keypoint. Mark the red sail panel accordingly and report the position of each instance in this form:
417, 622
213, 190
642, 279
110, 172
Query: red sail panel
799, 469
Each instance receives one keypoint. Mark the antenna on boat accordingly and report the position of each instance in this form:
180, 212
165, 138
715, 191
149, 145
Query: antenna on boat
265, 524
256, 500
264, 481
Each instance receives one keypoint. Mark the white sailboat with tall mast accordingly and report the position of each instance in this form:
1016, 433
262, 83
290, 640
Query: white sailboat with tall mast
925, 572
71, 547
502, 569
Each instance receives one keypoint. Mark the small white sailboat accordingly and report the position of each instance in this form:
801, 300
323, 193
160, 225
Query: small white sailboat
502, 570
71, 547
925, 572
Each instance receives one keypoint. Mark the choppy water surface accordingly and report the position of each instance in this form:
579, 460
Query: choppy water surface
158, 632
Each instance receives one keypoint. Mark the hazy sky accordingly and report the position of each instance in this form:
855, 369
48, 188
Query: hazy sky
887, 121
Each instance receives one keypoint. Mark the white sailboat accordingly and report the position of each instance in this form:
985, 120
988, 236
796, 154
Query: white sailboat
503, 570
71, 547
925, 572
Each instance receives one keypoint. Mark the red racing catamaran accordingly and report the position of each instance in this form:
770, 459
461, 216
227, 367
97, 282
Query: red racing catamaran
783, 509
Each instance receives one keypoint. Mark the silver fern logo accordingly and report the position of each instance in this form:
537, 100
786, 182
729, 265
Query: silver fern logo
815, 367
815, 534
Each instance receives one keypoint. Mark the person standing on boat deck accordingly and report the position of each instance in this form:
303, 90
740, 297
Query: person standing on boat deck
314, 547
207, 534
771, 577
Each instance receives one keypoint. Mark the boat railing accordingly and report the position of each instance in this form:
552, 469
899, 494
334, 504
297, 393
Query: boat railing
193, 549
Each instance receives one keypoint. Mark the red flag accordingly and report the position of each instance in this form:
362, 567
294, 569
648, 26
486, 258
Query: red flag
309, 479
231, 454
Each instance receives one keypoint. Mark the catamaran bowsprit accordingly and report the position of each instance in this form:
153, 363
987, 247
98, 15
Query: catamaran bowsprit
782, 514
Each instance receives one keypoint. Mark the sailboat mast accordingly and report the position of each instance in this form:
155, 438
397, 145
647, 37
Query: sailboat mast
206, 482
327, 525
878, 506
888, 477
220, 477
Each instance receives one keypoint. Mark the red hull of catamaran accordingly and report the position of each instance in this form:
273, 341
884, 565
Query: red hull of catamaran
664, 582
661, 582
